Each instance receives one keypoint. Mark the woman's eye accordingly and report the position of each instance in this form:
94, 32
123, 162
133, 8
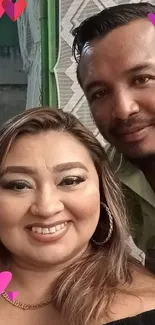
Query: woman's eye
72, 181
15, 185
141, 80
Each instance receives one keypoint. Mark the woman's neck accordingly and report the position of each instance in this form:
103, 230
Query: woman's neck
34, 284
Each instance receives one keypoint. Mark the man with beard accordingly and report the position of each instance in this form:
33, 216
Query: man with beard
115, 54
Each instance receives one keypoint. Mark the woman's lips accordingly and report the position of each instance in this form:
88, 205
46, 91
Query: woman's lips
51, 237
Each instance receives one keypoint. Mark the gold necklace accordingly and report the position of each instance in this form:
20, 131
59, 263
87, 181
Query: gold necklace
24, 306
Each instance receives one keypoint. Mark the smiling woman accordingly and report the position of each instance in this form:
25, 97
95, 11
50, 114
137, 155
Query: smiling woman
63, 229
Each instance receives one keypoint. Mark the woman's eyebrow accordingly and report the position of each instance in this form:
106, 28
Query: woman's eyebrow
69, 165
18, 169
33, 171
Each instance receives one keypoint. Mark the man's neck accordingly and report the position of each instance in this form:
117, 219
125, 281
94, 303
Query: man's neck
147, 165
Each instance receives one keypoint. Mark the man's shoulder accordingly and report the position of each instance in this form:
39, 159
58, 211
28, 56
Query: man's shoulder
115, 157
139, 198
109, 148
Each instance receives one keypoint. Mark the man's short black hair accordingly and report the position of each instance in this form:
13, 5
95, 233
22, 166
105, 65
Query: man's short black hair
104, 22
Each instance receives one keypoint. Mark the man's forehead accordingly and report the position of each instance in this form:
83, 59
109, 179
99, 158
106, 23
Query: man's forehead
124, 37
125, 47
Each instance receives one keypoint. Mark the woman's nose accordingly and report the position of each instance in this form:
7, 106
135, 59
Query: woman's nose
47, 204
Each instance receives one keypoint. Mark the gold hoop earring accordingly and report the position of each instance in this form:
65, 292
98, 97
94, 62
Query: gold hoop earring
111, 226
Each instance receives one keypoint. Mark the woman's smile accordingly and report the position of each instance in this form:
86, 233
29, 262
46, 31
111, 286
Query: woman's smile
49, 234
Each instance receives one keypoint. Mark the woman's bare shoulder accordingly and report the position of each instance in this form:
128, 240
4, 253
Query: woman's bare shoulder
134, 298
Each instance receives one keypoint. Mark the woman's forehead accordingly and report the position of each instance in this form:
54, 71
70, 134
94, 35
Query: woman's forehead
50, 148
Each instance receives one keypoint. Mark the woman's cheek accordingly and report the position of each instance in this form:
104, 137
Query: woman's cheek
85, 204
11, 210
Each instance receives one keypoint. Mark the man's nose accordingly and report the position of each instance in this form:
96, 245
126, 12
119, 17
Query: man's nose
47, 204
124, 105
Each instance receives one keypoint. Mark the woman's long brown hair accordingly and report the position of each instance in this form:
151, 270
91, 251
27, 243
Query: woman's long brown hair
86, 288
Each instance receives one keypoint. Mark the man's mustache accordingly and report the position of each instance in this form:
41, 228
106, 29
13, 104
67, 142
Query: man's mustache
130, 125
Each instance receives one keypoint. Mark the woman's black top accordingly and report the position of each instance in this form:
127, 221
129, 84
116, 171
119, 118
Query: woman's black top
146, 318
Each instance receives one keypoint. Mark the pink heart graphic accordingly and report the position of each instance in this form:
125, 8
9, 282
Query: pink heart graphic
5, 278
151, 17
14, 10
12, 295
2, 10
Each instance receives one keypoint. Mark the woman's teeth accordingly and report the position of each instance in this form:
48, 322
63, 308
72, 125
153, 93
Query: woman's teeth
46, 231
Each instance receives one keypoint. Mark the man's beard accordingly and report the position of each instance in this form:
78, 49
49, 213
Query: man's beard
143, 160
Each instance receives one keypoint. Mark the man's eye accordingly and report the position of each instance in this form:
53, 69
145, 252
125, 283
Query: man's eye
72, 181
97, 95
141, 80
15, 185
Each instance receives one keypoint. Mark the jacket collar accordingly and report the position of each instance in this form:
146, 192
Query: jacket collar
130, 175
